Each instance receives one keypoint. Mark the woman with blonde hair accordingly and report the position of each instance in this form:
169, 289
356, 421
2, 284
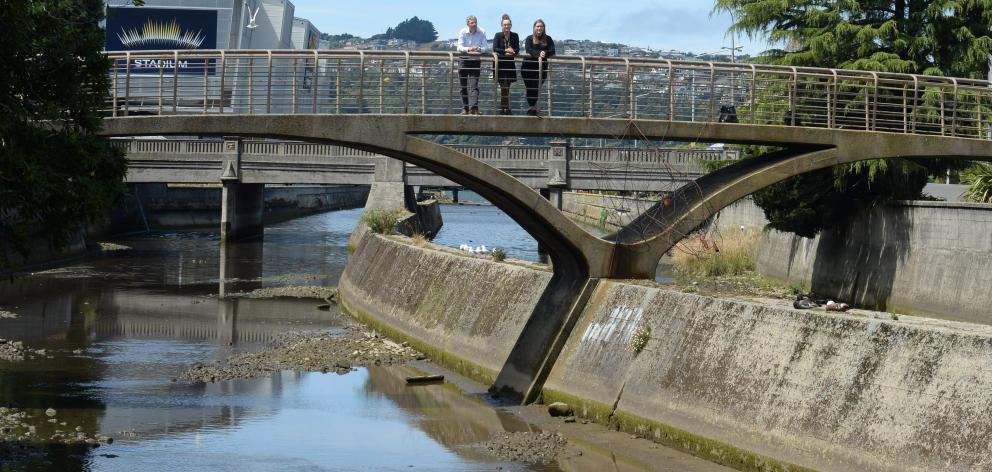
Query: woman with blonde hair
506, 45
539, 47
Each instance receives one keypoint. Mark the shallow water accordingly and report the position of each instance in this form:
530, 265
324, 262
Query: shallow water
119, 327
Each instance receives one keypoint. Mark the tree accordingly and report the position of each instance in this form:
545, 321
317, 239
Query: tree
413, 29
934, 37
56, 174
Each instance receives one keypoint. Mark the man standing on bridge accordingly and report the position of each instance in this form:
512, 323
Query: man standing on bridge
471, 43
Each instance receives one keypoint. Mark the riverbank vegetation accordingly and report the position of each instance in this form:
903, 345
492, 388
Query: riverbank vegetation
56, 174
933, 37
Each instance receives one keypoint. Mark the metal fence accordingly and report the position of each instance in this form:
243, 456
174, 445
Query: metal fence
416, 82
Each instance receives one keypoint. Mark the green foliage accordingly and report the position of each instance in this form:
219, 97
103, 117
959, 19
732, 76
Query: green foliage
499, 254
55, 173
937, 37
413, 29
381, 221
732, 259
979, 180
640, 338
825, 198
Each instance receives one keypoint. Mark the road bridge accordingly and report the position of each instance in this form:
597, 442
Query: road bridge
540, 167
386, 102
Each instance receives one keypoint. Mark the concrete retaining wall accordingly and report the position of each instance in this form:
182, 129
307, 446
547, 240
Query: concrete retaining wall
466, 311
927, 258
612, 212
924, 258
178, 207
751, 386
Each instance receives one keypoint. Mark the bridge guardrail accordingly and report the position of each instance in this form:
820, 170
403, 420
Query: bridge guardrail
415, 82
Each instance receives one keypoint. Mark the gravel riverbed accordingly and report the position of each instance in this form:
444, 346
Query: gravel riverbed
529, 447
334, 351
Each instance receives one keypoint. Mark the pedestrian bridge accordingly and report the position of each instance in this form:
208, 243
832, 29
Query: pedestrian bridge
385, 102
393, 102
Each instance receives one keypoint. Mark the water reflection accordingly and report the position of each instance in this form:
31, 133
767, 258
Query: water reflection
118, 328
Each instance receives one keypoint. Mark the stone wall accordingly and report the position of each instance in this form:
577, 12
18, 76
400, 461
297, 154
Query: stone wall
747, 385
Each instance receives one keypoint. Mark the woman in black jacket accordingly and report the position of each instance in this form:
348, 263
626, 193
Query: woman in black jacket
506, 45
534, 70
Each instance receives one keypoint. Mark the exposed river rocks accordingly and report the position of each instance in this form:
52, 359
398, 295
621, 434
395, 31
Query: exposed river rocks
13, 351
20, 432
530, 447
305, 291
332, 351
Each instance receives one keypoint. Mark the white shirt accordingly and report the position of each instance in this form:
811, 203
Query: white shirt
468, 40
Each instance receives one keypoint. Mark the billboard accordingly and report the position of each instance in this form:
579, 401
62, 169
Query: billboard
148, 29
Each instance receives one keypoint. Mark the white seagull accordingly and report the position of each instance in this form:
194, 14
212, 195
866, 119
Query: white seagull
251, 18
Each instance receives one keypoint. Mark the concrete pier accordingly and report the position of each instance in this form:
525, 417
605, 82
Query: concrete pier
242, 208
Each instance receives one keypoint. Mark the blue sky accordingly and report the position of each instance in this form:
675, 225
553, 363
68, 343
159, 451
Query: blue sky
674, 24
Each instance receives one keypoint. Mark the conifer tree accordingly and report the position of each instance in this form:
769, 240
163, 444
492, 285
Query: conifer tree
932, 37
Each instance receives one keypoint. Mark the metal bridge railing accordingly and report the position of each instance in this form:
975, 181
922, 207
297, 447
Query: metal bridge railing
415, 82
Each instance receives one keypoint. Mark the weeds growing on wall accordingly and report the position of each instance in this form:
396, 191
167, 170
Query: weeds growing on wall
733, 254
499, 254
381, 221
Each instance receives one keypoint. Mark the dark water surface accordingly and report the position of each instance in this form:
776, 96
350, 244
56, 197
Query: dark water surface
119, 327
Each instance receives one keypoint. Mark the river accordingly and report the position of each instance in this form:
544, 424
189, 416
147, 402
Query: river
119, 327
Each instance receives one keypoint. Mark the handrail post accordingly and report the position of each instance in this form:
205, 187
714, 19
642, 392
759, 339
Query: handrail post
793, 91
296, 84
175, 81
406, 85
671, 92
954, 108
712, 93
905, 117
550, 83
754, 88
423, 86
832, 100
314, 81
161, 89
916, 103
451, 78
251, 84
113, 103
361, 82
630, 89
206, 78
382, 85
337, 90
268, 91
582, 86
497, 98
592, 68
874, 107
223, 76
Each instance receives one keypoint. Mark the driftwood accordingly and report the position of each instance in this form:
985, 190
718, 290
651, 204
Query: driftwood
425, 379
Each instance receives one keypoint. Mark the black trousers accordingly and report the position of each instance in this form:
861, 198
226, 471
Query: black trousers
533, 80
468, 78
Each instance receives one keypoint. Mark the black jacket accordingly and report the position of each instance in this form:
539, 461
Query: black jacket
534, 52
507, 68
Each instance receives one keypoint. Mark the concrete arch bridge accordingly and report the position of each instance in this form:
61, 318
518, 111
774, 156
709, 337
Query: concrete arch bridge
384, 102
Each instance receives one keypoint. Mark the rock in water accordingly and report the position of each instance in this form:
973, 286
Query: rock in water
559, 409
